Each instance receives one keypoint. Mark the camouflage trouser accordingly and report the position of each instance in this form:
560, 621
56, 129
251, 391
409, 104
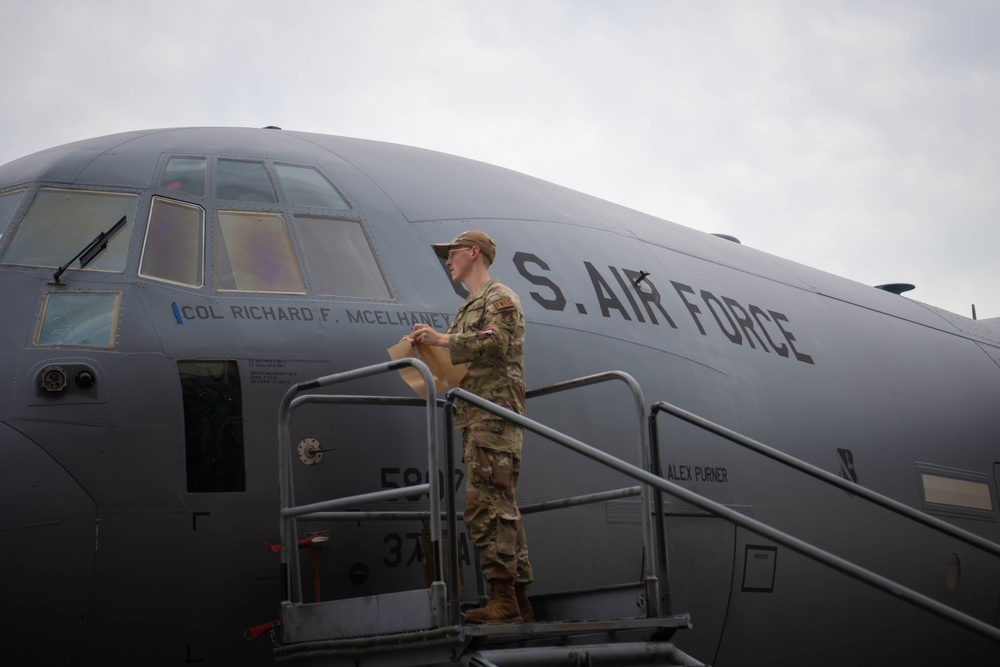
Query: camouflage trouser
492, 465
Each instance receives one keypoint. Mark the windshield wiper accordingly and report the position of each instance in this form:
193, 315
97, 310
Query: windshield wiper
91, 250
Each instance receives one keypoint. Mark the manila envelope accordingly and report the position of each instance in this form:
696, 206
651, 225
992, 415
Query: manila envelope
438, 360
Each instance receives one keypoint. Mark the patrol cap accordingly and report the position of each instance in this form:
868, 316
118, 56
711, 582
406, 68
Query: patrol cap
469, 239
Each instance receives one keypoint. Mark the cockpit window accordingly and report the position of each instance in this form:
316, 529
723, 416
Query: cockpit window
8, 206
79, 318
175, 240
60, 223
340, 258
243, 181
306, 187
185, 174
254, 254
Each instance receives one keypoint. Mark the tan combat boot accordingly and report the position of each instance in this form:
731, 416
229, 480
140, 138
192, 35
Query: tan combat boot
523, 604
501, 608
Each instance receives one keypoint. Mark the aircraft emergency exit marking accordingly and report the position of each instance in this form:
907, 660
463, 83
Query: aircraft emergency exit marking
758, 327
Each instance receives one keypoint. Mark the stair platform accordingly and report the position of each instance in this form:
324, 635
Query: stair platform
611, 642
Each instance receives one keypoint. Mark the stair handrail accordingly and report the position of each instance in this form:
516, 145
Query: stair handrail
532, 508
748, 523
655, 574
820, 474
650, 579
328, 509
291, 579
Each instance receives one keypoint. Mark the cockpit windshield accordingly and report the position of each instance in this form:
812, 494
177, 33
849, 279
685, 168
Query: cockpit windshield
185, 174
243, 181
306, 187
258, 227
340, 258
61, 222
254, 254
8, 206
175, 242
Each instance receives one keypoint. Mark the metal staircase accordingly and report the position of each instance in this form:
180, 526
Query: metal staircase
627, 625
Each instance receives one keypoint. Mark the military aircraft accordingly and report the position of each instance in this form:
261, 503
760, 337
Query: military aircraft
163, 289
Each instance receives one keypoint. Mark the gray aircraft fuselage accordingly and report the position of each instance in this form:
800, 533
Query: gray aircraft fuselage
137, 428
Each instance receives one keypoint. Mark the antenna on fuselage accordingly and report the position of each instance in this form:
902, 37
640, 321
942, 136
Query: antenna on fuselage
642, 276
896, 288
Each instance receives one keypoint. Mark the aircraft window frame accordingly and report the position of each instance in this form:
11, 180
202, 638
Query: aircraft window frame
252, 188
348, 260
44, 232
185, 183
66, 322
8, 213
954, 492
194, 243
321, 185
246, 275
372, 281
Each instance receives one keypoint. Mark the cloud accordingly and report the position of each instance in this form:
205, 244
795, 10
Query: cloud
856, 137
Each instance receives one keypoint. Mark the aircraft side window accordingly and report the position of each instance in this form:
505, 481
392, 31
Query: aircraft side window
86, 319
213, 426
60, 223
340, 258
254, 253
174, 247
243, 181
8, 206
305, 186
955, 492
185, 174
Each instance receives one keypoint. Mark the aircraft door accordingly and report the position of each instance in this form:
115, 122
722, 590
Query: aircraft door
701, 547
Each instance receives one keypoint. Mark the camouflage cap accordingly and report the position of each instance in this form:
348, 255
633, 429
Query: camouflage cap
469, 239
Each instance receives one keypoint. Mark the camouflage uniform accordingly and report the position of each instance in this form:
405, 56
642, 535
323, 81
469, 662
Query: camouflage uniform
488, 336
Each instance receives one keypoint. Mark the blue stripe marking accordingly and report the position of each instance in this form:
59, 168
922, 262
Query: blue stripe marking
177, 314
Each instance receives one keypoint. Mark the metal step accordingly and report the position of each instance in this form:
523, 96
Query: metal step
594, 655
591, 627
614, 642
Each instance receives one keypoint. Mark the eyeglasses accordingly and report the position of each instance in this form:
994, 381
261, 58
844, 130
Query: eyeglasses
451, 253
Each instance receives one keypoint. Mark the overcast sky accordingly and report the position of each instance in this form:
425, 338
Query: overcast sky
862, 138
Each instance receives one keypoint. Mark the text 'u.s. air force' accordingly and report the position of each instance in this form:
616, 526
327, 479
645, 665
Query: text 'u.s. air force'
634, 296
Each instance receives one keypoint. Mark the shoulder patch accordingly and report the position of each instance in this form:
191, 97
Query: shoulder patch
503, 304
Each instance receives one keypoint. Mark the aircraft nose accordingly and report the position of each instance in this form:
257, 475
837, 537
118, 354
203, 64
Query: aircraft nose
48, 524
